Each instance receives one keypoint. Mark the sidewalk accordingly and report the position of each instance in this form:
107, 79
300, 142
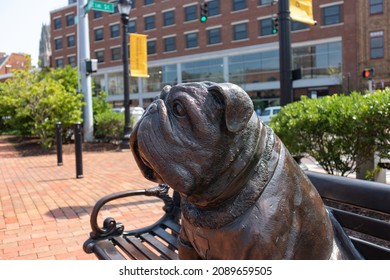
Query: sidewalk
44, 209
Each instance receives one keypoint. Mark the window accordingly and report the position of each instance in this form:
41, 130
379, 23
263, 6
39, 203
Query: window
254, 67
114, 30
169, 44
72, 61
160, 76
151, 47
57, 23
71, 40
240, 31
376, 7
116, 53
99, 56
97, 14
168, 18
265, 2
203, 70
147, 2
150, 22
332, 14
265, 27
59, 62
70, 20
296, 25
190, 13
214, 36
58, 43
99, 34
238, 5
191, 40
132, 26
213, 8
376, 44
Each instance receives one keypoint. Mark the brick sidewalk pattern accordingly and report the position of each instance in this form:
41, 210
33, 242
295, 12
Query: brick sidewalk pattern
45, 209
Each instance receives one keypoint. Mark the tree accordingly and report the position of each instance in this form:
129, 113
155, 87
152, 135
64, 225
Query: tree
34, 101
341, 132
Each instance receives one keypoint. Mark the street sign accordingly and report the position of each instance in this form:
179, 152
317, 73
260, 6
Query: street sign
103, 6
88, 7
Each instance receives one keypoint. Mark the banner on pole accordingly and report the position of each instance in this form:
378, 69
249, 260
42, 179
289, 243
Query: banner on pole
302, 11
138, 56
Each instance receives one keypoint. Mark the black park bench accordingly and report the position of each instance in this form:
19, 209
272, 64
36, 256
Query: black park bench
361, 207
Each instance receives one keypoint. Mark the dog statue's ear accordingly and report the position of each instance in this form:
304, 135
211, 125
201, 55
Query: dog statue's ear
165, 91
238, 105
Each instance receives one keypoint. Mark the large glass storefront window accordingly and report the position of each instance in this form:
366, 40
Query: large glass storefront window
254, 68
318, 60
159, 77
203, 70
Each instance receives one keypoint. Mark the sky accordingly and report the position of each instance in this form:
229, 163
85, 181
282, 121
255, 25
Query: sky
21, 23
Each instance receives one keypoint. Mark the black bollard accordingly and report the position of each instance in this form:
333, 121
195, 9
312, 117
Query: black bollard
78, 150
59, 143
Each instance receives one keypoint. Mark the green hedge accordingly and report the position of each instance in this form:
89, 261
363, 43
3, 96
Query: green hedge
341, 131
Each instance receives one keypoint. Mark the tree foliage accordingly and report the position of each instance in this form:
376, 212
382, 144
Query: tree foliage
341, 132
33, 101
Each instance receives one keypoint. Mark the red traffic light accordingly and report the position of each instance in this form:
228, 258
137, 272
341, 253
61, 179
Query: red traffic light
368, 73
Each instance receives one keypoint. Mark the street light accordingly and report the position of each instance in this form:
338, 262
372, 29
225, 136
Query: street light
124, 7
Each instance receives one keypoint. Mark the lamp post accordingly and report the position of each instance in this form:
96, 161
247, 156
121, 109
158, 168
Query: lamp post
124, 7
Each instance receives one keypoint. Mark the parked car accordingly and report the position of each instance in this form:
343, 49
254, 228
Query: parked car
137, 112
268, 113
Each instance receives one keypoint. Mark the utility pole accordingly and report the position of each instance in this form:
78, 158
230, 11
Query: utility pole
286, 92
84, 53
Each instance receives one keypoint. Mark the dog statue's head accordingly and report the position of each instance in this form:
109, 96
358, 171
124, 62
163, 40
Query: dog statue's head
195, 137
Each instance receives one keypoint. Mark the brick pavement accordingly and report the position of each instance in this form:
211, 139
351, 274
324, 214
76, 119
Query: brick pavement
44, 208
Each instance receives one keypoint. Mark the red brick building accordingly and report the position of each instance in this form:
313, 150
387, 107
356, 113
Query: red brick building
13, 61
235, 44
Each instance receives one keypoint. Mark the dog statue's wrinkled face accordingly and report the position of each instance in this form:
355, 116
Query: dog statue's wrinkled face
191, 134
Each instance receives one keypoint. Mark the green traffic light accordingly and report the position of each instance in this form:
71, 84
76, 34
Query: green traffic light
203, 19
274, 31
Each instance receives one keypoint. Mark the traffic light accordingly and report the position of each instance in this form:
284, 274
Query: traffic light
368, 73
203, 12
275, 25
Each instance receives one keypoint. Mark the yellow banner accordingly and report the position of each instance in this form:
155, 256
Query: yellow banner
302, 11
138, 56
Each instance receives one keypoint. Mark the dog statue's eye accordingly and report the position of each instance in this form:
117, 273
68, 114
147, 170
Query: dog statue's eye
178, 109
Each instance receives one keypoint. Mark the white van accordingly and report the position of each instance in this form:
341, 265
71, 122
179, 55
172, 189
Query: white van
268, 113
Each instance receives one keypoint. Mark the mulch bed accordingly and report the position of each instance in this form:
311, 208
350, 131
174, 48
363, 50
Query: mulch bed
29, 146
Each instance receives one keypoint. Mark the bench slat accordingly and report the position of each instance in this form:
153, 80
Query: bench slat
172, 240
172, 225
132, 251
145, 250
366, 225
162, 248
105, 250
371, 251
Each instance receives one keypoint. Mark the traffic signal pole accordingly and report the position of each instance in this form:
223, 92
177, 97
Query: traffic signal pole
286, 92
86, 84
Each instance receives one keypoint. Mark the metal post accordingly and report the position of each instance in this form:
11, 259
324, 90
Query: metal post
84, 54
125, 58
59, 143
286, 93
78, 150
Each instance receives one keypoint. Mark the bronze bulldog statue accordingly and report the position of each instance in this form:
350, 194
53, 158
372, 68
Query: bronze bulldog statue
242, 194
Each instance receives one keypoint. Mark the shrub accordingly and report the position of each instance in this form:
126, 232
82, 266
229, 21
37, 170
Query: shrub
341, 132
109, 126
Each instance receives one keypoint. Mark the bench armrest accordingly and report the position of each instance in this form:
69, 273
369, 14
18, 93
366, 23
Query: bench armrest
111, 227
